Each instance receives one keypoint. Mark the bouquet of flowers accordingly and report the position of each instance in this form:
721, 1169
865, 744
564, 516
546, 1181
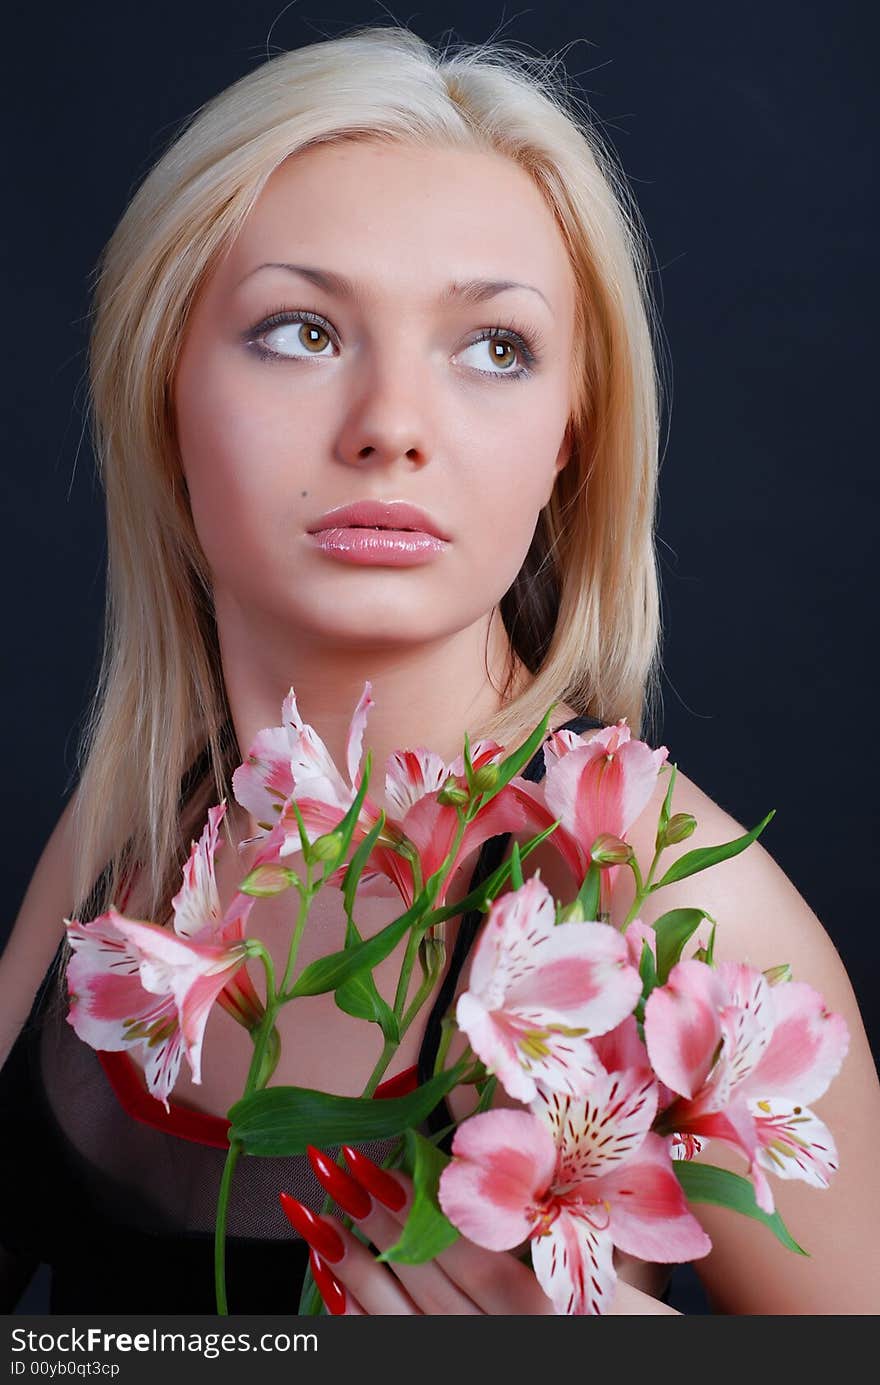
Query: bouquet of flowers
623, 1054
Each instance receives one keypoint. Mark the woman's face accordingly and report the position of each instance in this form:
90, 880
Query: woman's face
388, 390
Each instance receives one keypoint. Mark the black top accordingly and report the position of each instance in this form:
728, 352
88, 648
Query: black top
123, 1213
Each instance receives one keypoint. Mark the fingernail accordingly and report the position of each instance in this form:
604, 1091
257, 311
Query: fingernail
351, 1196
329, 1286
314, 1229
374, 1179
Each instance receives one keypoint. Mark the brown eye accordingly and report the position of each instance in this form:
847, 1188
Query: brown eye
286, 336
313, 339
503, 354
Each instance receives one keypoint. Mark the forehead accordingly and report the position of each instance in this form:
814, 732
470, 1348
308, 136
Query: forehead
405, 220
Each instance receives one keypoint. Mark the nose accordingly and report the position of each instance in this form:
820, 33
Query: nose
386, 420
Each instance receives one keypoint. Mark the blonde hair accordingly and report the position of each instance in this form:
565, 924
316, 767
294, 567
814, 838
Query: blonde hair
583, 614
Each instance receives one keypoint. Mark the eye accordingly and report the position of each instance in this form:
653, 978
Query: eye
504, 346
293, 336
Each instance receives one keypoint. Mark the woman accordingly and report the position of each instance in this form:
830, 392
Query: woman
312, 302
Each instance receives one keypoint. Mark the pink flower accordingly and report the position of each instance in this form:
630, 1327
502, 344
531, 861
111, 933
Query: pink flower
745, 1059
577, 1177
292, 760
537, 990
134, 983
595, 784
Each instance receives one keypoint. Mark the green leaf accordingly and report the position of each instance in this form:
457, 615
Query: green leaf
329, 973
346, 827
664, 811
647, 970
357, 863
672, 931
516, 875
588, 894
705, 856
427, 1231
359, 997
721, 1188
284, 1120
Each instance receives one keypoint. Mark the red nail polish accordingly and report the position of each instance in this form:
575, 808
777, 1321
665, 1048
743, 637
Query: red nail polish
374, 1179
320, 1235
351, 1196
329, 1286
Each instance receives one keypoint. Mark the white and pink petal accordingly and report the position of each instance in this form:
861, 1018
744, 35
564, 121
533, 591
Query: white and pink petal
793, 1142
596, 1132
806, 1050
574, 1263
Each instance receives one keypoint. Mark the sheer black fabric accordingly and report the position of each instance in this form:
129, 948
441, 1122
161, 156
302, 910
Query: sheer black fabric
122, 1212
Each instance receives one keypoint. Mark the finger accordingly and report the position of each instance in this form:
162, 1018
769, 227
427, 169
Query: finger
336, 1300
429, 1287
494, 1282
352, 1265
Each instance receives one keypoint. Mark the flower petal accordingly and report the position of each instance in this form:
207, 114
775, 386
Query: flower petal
574, 1264
502, 1162
602, 1129
806, 1050
197, 903
650, 1216
682, 1025
410, 775
521, 1055
793, 1142
264, 782
355, 741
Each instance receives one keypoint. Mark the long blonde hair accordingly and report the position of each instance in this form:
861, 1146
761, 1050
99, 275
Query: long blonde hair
583, 614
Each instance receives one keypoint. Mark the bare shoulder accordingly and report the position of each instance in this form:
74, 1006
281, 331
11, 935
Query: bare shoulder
38, 929
762, 919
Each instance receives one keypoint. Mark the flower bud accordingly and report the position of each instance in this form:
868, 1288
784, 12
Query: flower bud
269, 879
451, 796
776, 974
609, 850
485, 778
679, 827
327, 847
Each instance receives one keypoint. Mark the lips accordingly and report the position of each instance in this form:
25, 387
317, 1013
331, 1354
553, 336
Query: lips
380, 514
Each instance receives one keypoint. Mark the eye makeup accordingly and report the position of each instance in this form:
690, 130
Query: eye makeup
528, 342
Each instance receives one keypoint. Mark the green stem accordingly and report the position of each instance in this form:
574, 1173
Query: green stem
643, 889
307, 894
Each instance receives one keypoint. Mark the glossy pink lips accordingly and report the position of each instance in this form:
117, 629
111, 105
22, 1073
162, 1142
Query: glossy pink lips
379, 547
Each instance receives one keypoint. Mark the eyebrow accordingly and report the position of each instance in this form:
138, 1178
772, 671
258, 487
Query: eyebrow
463, 290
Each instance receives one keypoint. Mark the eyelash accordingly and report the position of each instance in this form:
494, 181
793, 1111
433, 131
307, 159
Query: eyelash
525, 339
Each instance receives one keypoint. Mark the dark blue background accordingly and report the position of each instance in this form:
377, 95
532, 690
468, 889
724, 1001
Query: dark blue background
747, 133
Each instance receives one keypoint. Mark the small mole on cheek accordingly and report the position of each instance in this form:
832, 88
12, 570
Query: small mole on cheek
303, 494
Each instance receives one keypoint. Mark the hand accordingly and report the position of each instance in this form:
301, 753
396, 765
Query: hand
464, 1279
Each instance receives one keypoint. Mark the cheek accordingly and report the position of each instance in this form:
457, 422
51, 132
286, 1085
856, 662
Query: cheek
508, 483
246, 464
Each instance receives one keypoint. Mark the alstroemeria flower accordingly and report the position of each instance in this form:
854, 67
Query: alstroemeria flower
577, 1176
134, 983
537, 990
746, 1058
293, 759
595, 784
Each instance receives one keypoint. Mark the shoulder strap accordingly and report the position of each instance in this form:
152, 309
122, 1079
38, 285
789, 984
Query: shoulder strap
490, 858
